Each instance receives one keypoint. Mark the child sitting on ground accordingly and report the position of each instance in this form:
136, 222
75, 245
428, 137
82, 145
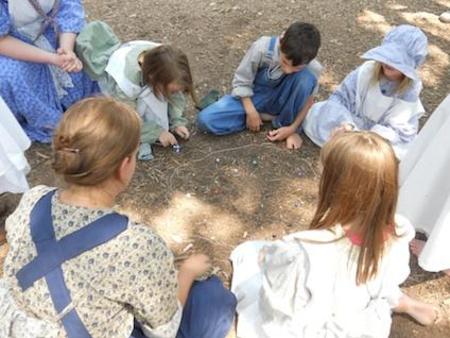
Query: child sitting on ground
275, 81
151, 77
381, 95
77, 268
341, 278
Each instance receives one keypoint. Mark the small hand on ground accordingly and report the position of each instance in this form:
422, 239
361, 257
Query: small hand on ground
253, 121
167, 139
280, 134
341, 129
183, 132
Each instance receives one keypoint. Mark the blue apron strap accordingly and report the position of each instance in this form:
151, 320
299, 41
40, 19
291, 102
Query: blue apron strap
52, 253
272, 43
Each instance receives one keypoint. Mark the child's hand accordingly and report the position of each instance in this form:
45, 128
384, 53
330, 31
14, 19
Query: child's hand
72, 64
167, 139
254, 121
196, 265
59, 60
344, 127
183, 132
280, 134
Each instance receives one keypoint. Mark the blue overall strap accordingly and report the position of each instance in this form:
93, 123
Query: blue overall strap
272, 43
52, 254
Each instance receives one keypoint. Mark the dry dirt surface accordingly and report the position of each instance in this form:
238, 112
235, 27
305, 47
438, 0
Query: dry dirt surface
219, 192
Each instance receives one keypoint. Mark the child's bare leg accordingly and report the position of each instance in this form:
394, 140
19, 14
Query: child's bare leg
423, 313
417, 246
294, 141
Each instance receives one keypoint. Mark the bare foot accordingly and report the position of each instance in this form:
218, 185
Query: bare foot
423, 313
294, 141
416, 246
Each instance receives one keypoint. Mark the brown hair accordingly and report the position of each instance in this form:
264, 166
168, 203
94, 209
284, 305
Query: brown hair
93, 138
359, 187
378, 73
300, 43
164, 65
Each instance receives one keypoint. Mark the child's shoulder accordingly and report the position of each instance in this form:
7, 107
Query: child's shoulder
148, 237
318, 235
263, 42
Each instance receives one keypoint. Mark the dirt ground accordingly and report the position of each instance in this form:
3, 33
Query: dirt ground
219, 192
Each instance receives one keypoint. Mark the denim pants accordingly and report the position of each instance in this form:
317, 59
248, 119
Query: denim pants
283, 98
208, 313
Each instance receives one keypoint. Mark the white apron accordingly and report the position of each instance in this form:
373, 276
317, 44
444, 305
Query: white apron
372, 108
296, 289
28, 23
425, 188
13, 143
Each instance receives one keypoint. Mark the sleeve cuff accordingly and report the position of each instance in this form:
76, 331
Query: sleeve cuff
386, 132
168, 330
242, 92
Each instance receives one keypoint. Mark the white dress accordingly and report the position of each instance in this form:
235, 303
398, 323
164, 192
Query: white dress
13, 142
425, 188
367, 106
298, 288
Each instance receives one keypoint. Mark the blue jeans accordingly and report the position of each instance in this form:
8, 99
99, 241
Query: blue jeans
208, 313
283, 98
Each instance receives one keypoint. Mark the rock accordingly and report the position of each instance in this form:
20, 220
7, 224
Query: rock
445, 17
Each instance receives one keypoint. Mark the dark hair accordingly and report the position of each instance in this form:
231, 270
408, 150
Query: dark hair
300, 43
166, 64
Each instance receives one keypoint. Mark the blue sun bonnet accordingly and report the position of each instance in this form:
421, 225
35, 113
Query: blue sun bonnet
404, 48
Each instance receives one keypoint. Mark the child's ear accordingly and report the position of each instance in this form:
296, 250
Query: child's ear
122, 170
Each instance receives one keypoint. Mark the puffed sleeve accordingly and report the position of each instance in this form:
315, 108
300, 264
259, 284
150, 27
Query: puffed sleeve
177, 106
4, 19
284, 272
148, 279
70, 16
345, 94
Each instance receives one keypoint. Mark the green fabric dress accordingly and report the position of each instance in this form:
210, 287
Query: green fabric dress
95, 46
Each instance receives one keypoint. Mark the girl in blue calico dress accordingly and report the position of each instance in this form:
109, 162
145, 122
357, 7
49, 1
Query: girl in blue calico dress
40, 75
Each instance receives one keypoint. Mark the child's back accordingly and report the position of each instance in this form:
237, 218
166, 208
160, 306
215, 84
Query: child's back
341, 278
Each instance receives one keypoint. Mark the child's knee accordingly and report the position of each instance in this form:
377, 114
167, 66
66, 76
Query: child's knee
204, 120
